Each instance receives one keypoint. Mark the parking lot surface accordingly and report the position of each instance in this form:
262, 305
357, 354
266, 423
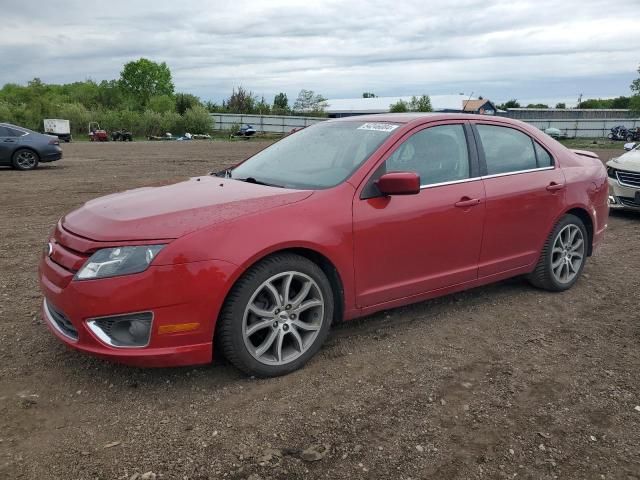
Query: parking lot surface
503, 381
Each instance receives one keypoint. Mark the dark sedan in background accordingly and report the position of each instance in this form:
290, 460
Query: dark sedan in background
23, 149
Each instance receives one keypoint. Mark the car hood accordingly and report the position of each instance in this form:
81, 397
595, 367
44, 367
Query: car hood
171, 211
629, 161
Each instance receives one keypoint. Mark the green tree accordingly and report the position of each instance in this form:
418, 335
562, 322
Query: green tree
197, 120
369, 95
212, 106
262, 107
635, 85
420, 104
143, 79
241, 101
162, 103
399, 107
310, 103
185, 101
513, 103
281, 104
561, 105
537, 105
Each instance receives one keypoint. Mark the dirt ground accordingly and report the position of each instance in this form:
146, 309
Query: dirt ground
503, 381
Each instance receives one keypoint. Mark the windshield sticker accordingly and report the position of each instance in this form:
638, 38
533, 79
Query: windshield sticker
378, 127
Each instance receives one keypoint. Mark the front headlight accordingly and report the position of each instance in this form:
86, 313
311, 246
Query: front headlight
611, 172
111, 262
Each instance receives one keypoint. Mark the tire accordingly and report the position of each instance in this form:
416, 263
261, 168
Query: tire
629, 138
25, 159
281, 341
562, 260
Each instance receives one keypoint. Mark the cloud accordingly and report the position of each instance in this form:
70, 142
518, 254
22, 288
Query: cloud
339, 48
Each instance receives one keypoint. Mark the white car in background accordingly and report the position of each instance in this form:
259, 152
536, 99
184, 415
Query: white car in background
624, 179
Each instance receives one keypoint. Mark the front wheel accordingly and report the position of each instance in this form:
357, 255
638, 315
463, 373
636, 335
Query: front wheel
563, 256
25, 159
277, 316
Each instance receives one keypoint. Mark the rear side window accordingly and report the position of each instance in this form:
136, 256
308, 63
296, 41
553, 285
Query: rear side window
544, 159
506, 149
10, 132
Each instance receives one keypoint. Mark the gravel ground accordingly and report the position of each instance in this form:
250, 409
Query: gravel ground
502, 381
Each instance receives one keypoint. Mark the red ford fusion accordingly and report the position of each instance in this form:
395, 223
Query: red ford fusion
336, 221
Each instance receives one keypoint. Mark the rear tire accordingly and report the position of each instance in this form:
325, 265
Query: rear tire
267, 335
25, 159
563, 256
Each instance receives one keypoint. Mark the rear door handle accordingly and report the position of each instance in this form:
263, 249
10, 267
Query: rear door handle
467, 202
554, 187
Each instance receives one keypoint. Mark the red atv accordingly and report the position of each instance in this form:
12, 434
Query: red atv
96, 134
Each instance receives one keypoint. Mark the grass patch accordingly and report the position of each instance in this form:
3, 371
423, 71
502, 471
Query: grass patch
592, 143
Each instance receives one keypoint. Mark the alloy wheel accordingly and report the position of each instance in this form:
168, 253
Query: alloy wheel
567, 253
26, 160
283, 318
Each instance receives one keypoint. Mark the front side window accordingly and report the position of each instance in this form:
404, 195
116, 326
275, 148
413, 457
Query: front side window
506, 149
438, 154
320, 156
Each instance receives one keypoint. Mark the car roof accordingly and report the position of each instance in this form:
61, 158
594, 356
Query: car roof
421, 117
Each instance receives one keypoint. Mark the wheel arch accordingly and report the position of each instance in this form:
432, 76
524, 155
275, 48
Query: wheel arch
24, 147
585, 216
320, 259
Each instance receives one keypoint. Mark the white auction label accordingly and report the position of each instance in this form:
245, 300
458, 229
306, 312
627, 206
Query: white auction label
378, 127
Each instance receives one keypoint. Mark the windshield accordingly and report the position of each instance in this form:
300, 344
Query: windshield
320, 156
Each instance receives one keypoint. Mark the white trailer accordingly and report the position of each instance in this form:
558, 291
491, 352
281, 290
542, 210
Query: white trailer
59, 128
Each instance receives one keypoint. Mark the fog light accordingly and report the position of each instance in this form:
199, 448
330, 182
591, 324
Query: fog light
612, 200
124, 331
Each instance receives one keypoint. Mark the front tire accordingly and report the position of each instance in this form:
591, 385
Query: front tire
25, 159
277, 316
563, 256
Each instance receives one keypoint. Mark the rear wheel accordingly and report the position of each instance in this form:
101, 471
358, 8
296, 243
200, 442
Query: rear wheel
276, 317
25, 159
563, 256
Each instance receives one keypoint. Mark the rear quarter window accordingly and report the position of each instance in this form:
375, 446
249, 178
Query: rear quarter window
543, 157
506, 149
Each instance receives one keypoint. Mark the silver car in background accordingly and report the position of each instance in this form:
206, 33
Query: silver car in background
624, 179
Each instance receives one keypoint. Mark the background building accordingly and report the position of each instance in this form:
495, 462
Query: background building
346, 107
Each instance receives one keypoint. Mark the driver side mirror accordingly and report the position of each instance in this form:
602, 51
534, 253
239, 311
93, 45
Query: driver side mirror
399, 183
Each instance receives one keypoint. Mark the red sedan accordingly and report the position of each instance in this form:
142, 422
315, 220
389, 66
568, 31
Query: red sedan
339, 220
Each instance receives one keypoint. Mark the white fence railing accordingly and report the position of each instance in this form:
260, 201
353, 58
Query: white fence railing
585, 128
262, 123
588, 128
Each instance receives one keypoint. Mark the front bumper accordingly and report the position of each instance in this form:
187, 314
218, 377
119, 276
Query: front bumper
190, 293
622, 197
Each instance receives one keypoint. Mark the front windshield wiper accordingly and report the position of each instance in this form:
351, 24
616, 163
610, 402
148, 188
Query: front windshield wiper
258, 182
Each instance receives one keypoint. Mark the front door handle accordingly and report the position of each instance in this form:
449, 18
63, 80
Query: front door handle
554, 187
467, 202
8, 140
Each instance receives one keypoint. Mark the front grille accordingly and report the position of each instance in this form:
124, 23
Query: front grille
62, 322
631, 179
629, 202
68, 258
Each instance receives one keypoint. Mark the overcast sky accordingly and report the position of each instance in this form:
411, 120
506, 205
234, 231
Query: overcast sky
533, 50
